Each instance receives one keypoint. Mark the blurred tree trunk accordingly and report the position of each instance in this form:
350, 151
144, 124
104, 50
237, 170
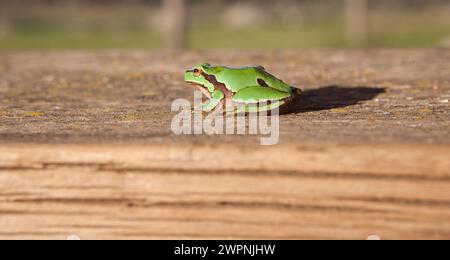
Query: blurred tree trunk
176, 12
217, 5
4, 27
357, 21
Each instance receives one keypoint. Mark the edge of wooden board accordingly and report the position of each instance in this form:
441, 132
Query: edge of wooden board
431, 161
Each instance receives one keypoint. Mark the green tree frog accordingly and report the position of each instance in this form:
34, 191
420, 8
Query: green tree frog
248, 86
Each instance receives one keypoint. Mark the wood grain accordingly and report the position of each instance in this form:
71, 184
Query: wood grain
86, 148
153, 192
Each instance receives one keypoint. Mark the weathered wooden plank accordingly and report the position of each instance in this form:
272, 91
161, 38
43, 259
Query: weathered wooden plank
359, 96
86, 149
415, 161
53, 191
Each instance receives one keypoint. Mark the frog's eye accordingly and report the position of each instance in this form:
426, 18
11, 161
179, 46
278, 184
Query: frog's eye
197, 72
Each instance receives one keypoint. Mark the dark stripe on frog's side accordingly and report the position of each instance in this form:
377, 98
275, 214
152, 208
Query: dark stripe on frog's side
219, 86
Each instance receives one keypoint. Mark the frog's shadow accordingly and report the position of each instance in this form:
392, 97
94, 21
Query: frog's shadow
331, 97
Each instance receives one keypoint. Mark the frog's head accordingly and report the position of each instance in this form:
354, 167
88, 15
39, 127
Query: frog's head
196, 76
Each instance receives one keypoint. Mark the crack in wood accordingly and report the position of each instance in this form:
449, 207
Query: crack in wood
107, 167
400, 201
142, 203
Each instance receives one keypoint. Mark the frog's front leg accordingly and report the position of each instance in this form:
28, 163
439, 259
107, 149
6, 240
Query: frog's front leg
216, 99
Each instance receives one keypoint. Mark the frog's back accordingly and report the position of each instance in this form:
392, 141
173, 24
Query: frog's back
265, 79
238, 78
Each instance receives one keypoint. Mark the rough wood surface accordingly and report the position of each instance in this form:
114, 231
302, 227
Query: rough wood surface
86, 149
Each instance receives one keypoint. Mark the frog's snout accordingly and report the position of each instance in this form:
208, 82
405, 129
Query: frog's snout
187, 73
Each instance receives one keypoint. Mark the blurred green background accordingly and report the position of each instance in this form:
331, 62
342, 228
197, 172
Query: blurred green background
144, 24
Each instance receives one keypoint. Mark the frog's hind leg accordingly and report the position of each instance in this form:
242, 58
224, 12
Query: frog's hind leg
268, 106
258, 94
238, 108
259, 99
